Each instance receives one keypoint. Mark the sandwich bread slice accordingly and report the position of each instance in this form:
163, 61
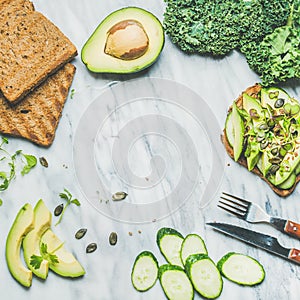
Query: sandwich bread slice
37, 116
262, 133
31, 49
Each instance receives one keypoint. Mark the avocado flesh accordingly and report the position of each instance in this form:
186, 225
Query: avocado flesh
238, 127
31, 242
93, 52
23, 224
68, 265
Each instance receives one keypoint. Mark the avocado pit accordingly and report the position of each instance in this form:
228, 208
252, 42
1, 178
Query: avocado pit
127, 40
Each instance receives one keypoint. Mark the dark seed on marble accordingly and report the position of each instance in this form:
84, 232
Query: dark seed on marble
43, 162
80, 233
119, 196
58, 210
113, 238
91, 248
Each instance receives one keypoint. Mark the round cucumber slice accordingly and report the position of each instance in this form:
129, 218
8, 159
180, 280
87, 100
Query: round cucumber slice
241, 269
175, 283
192, 244
204, 275
144, 271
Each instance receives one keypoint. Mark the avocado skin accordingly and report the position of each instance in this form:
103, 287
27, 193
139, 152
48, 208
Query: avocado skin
97, 61
23, 223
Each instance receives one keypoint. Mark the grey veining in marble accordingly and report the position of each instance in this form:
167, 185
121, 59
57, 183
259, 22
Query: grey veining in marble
135, 134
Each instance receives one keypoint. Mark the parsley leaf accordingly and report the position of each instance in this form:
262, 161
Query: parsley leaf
36, 260
66, 195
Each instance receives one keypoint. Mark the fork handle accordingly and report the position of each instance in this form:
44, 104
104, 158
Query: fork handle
287, 226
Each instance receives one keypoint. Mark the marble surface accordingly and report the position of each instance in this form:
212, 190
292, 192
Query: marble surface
154, 135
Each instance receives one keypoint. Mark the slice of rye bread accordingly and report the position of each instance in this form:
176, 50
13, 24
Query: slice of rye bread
31, 49
253, 91
36, 117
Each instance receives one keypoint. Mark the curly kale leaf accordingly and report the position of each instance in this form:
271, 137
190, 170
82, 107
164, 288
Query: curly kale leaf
277, 57
218, 26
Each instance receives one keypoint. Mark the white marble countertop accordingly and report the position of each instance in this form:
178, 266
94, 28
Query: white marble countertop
90, 159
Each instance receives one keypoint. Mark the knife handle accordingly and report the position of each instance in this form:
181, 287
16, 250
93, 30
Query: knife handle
286, 226
292, 228
294, 255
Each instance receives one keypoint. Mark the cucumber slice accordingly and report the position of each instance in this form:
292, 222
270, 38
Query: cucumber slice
204, 275
169, 243
144, 271
229, 130
175, 283
289, 182
241, 269
192, 244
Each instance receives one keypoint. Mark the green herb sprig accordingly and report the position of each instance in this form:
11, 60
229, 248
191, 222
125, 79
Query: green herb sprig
36, 260
69, 200
6, 177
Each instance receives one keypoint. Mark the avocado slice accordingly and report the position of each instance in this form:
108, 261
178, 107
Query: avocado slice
270, 96
238, 128
250, 103
67, 265
126, 41
23, 223
31, 242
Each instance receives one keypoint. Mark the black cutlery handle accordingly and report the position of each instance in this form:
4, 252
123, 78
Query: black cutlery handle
287, 226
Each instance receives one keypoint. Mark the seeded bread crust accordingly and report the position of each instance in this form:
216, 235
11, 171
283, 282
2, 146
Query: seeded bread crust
37, 116
31, 49
253, 91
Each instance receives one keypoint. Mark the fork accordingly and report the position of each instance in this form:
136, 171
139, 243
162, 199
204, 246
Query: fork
253, 213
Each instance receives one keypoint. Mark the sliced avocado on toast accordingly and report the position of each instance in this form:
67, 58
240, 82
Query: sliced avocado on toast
262, 132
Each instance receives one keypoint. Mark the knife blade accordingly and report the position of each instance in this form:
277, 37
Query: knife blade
266, 242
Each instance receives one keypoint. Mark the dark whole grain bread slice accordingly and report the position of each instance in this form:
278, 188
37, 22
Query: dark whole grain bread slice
254, 91
37, 116
31, 49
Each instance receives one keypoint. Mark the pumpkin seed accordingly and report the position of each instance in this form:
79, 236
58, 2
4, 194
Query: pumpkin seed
274, 151
273, 169
264, 144
91, 247
113, 238
279, 103
43, 162
80, 233
253, 113
119, 196
263, 126
275, 160
58, 210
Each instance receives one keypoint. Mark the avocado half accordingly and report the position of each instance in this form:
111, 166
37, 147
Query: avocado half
126, 41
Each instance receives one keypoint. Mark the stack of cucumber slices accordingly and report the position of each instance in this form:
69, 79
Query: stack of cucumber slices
190, 269
264, 129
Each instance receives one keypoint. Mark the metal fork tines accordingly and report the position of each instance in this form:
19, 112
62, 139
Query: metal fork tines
243, 209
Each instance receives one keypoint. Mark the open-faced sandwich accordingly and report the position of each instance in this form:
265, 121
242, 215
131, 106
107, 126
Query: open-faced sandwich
262, 133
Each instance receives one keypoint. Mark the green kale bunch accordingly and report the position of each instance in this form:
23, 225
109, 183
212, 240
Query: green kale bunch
218, 26
277, 57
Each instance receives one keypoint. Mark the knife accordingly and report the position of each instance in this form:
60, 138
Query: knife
266, 242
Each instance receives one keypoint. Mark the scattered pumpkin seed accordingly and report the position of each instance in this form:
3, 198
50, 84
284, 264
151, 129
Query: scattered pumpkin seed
43, 162
80, 233
91, 247
113, 238
279, 103
58, 210
119, 196
274, 151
